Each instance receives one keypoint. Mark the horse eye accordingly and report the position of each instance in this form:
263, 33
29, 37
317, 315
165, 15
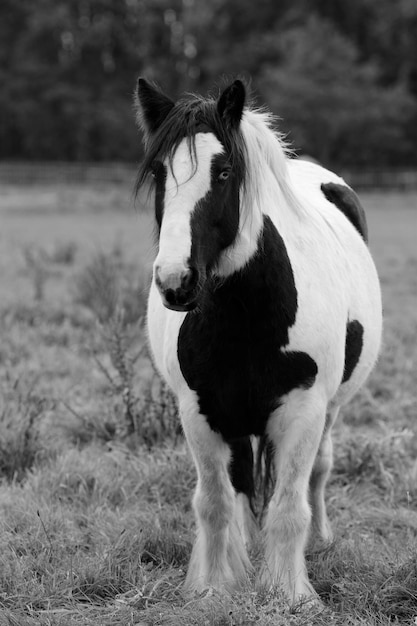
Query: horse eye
224, 175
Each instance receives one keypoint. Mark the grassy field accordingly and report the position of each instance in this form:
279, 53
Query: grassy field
96, 525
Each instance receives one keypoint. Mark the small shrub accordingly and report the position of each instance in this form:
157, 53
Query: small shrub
20, 412
83, 429
97, 287
37, 270
108, 284
63, 253
148, 417
156, 416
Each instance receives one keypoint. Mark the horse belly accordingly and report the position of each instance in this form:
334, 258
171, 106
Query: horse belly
366, 308
342, 292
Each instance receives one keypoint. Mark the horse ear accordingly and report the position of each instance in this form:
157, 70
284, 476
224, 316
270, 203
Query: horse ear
152, 107
231, 103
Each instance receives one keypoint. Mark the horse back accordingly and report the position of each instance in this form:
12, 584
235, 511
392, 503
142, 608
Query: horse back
334, 189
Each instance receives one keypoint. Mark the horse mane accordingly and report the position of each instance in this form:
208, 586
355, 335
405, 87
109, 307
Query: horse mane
267, 154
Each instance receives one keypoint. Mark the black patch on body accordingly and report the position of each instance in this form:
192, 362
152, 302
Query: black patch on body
346, 200
353, 347
229, 348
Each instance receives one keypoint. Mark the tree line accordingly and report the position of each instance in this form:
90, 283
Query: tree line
341, 76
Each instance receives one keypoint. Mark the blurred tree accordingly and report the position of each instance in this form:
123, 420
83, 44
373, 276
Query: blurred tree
70, 66
384, 32
342, 75
332, 106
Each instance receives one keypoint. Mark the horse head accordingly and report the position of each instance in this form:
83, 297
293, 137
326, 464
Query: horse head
194, 156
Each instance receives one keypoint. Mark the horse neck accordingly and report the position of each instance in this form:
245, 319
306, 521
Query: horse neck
266, 196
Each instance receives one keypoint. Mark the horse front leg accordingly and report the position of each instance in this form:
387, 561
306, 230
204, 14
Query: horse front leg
295, 430
219, 559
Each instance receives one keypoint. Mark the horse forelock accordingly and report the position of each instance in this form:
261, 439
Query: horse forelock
188, 117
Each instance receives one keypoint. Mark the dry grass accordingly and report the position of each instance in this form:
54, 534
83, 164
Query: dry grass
95, 498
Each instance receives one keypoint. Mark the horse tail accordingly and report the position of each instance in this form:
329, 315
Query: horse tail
242, 469
264, 473
252, 471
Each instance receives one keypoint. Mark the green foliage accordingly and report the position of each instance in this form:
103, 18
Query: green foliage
343, 75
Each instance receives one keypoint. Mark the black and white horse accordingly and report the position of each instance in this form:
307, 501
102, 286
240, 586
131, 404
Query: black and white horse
264, 318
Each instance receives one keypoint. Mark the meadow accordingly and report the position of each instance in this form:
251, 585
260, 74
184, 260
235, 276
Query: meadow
96, 524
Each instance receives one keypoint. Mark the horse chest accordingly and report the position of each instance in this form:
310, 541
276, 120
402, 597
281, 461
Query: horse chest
231, 350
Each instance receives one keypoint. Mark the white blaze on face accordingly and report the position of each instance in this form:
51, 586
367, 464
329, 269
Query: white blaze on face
186, 183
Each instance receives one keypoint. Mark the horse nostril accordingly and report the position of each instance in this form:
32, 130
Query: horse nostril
170, 296
189, 279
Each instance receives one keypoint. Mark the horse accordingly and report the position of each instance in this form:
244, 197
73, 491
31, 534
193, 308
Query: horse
264, 318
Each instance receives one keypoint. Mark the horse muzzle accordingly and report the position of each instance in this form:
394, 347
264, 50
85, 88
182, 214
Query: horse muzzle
179, 290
